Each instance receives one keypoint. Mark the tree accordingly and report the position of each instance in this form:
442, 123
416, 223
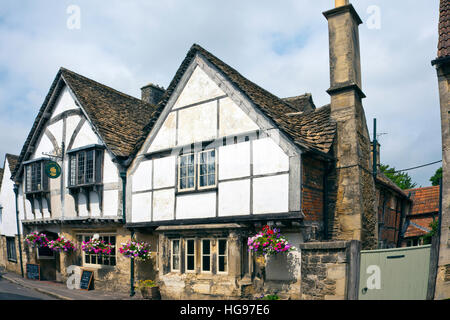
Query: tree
434, 231
401, 179
435, 180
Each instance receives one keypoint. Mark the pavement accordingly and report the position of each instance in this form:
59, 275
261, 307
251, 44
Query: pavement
60, 291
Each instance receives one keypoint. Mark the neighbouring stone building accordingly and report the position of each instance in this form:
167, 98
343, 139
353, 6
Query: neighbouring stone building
199, 167
442, 65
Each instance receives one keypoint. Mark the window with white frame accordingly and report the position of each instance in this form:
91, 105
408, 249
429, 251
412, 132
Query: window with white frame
99, 259
206, 255
207, 169
190, 255
175, 255
186, 172
197, 171
222, 256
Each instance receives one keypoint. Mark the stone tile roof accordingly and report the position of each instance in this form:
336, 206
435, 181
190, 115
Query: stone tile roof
425, 200
444, 29
118, 118
316, 133
301, 103
381, 178
12, 161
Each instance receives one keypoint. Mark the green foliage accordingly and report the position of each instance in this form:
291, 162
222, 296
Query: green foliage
434, 231
271, 297
435, 180
401, 179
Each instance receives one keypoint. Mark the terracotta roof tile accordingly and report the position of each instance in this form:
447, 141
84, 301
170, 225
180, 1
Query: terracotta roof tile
425, 200
418, 226
444, 29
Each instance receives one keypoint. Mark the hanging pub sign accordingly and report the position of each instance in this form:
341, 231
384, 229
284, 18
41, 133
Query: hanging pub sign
52, 170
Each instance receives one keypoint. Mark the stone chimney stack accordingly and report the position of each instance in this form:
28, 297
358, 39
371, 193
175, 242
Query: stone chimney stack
152, 93
442, 65
355, 215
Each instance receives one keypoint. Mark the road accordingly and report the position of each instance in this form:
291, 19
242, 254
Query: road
12, 291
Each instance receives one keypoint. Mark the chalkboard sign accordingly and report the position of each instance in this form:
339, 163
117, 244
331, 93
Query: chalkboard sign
33, 271
86, 279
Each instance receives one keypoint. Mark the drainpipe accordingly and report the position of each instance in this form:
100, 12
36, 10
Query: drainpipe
132, 293
123, 176
374, 152
16, 192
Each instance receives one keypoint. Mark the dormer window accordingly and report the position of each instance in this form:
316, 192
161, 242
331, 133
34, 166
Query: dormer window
35, 178
85, 166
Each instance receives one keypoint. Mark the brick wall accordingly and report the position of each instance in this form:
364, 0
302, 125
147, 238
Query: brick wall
312, 188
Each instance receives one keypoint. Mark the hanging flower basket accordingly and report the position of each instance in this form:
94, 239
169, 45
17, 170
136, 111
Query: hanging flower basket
268, 242
137, 250
96, 246
37, 239
61, 245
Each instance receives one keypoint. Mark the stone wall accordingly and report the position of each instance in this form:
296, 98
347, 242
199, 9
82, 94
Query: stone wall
13, 266
330, 270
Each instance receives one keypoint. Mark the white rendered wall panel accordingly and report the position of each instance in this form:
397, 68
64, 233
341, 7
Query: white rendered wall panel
142, 177
166, 136
268, 157
163, 205
234, 161
271, 194
110, 202
193, 206
164, 172
141, 207
197, 123
234, 198
233, 120
198, 88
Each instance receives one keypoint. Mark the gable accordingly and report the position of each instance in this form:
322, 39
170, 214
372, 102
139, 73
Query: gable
199, 88
200, 111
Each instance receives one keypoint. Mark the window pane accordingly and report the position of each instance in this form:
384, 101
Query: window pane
81, 159
90, 166
206, 247
190, 246
176, 246
222, 264
222, 247
203, 181
176, 263
183, 183
211, 180
73, 170
206, 266
190, 183
190, 263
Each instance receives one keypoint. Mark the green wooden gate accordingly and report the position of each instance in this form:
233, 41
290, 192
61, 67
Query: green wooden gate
395, 274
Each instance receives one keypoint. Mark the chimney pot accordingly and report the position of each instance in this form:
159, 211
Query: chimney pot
340, 3
152, 93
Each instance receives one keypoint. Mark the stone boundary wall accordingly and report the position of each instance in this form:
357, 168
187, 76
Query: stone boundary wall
330, 270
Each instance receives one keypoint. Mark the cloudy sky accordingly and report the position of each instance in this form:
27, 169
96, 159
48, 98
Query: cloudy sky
280, 45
